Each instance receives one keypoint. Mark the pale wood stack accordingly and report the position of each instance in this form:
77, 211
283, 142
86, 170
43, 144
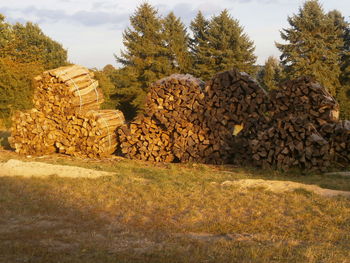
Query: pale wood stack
174, 114
67, 90
32, 133
145, 139
66, 117
90, 135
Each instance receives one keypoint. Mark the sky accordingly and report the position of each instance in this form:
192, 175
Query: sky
92, 30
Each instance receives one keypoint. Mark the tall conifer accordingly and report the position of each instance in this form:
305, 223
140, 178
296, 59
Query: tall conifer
272, 73
199, 47
343, 92
313, 46
177, 44
144, 58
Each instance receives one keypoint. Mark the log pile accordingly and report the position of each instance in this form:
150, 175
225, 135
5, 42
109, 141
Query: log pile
66, 117
235, 104
32, 133
145, 139
305, 98
198, 119
293, 142
66, 90
90, 135
338, 134
173, 127
293, 135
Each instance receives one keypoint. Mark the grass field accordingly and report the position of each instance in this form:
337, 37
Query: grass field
169, 213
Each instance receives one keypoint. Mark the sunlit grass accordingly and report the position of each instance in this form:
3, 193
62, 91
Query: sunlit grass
152, 213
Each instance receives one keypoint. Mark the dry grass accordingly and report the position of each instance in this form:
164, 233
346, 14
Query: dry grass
169, 213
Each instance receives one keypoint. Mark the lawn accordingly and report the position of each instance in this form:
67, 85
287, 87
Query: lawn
170, 213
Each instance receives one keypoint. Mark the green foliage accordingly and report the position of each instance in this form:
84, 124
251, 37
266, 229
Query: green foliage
271, 74
25, 51
16, 86
343, 92
219, 45
33, 45
199, 47
229, 46
145, 56
177, 43
313, 46
108, 89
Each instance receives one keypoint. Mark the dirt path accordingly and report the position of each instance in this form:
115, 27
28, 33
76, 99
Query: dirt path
38, 169
284, 186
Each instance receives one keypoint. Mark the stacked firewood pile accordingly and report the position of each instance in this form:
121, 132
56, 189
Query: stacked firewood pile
145, 139
66, 90
305, 98
66, 117
338, 134
173, 127
32, 133
235, 104
90, 135
291, 142
194, 121
293, 135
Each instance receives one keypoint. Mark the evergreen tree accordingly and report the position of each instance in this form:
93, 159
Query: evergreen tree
199, 47
343, 93
271, 74
5, 35
177, 44
107, 87
145, 56
313, 46
229, 46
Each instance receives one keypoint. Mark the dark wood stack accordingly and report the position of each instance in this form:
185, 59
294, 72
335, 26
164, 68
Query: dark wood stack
305, 98
235, 111
291, 142
92, 134
292, 135
66, 90
338, 134
146, 139
33, 134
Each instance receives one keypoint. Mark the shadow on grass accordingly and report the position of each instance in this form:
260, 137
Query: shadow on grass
4, 135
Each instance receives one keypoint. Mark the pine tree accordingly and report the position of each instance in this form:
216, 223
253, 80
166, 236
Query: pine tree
343, 92
229, 46
177, 44
144, 58
199, 47
313, 46
271, 74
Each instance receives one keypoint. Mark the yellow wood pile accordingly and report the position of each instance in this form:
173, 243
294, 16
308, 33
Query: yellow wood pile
66, 117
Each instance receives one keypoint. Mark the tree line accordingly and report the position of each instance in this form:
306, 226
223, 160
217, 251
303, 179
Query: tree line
316, 43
